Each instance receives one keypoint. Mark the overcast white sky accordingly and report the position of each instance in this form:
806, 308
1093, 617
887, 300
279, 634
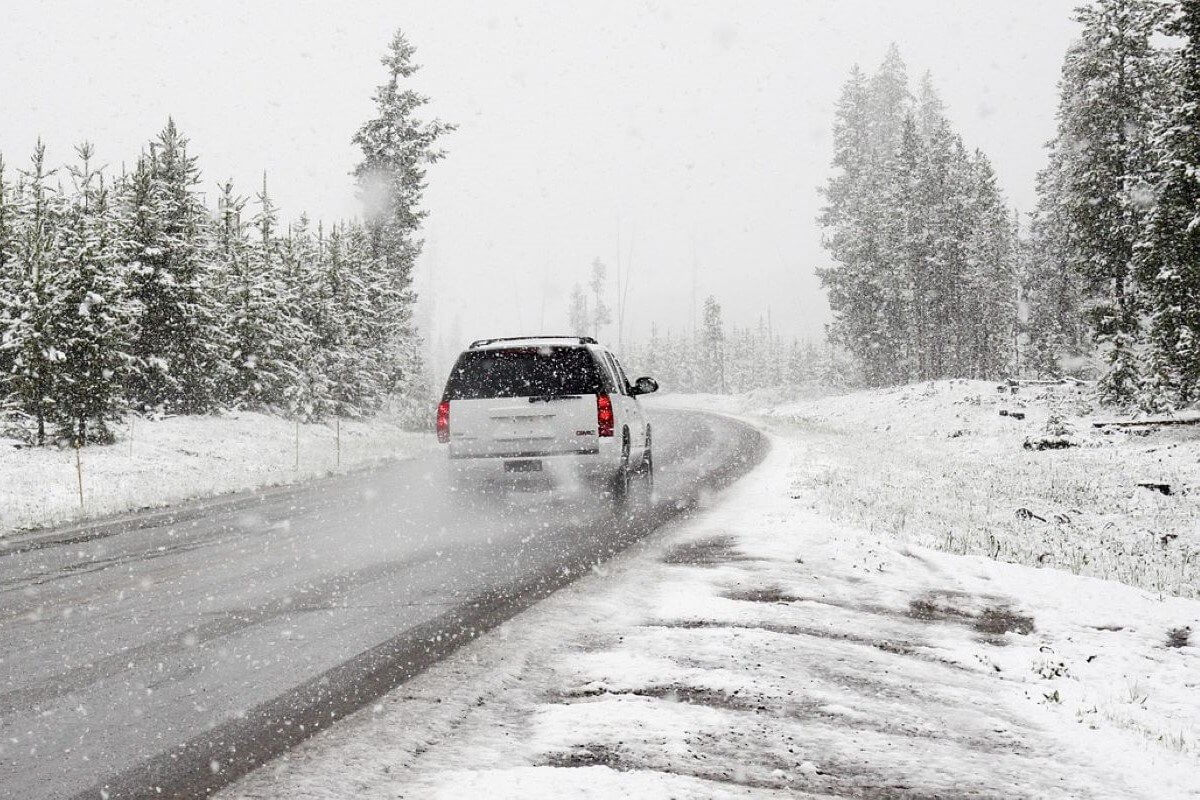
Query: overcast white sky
686, 128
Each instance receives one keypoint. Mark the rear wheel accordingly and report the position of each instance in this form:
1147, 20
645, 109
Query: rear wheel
646, 469
623, 478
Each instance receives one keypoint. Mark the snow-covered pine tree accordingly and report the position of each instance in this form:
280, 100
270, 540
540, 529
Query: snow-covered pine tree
667, 364
411, 398
1052, 287
265, 299
164, 237
7, 214
802, 362
27, 331
836, 368
763, 368
1168, 261
376, 332
917, 195
850, 220
885, 220
712, 343
989, 311
92, 319
342, 377
292, 355
601, 315
397, 146
8, 274
577, 313
889, 101
738, 352
945, 190
686, 370
651, 361
328, 382
230, 254
874, 231
1110, 93
903, 251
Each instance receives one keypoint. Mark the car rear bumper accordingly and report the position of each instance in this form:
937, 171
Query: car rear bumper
460, 456
554, 469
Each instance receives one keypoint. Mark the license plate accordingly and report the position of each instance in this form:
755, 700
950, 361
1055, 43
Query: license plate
522, 466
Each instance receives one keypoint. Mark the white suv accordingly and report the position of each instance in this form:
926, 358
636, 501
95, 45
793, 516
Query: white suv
557, 407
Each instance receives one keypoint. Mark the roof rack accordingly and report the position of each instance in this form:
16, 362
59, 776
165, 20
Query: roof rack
485, 342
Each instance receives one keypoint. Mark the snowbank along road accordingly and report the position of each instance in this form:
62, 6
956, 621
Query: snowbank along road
168, 653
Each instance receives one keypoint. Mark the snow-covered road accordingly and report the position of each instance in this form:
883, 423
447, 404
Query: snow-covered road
174, 650
759, 649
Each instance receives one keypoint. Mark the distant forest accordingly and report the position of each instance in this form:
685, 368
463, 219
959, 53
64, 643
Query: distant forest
709, 357
933, 276
742, 359
126, 292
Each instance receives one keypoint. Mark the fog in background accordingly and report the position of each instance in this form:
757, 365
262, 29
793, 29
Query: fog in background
695, 134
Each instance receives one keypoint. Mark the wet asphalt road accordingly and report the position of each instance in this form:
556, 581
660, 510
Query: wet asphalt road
168, 653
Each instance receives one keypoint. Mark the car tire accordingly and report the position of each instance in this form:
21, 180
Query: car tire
623, 478
646, 469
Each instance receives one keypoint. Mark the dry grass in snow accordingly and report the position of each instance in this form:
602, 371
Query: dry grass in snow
938, 465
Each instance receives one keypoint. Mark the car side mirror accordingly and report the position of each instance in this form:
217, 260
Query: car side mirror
645, 386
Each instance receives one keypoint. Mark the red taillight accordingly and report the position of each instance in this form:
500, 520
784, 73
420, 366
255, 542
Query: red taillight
604, 415
443, 421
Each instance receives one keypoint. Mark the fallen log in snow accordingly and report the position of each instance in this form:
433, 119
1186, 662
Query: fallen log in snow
1045, 381
1146, 423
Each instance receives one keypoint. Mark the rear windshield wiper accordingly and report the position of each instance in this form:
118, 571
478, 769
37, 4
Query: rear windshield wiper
546, 398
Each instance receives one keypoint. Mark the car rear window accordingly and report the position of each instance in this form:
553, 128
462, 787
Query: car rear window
523, 372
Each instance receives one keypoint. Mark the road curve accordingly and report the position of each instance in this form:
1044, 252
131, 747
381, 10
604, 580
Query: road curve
169, 653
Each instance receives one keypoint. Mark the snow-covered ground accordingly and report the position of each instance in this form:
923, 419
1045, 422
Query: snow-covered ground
762, 648
158, 462
944, 464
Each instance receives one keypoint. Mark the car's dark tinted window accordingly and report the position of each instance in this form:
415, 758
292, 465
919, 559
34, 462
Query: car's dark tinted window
523, 372
604, 366
622, 381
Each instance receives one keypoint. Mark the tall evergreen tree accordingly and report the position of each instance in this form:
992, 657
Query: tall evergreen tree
1111, 89
851, 219
903, 262
230, 251
889, 100
1169, 256
9, 280
376, 332
342, 380
1052, 288
397, 146
28, 325
165, 239
601, 314
988, 311
92, 319
264, 316
291, 284
577, 313
945, 191
712, 344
